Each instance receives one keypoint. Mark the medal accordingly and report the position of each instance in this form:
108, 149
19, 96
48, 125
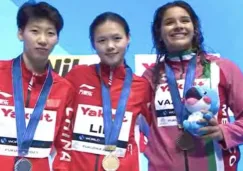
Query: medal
110, 148
26, 132
112, 127
23, 164
110, 162
185, 142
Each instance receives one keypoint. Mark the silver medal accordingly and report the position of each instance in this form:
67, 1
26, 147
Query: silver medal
23, 164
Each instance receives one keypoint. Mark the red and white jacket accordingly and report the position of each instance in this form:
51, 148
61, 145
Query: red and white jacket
87, 148
53, 130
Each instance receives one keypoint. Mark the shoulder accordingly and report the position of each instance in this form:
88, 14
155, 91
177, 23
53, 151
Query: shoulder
80, 70
140, 79
224, 63
63, 83
5, 64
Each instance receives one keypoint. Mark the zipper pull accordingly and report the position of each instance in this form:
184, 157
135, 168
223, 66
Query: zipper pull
31, 83
182, 67
110, 77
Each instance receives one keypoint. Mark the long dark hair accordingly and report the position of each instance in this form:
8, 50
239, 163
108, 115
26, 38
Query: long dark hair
159, 45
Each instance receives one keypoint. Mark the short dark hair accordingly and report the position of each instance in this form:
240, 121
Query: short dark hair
41, 10
107, 16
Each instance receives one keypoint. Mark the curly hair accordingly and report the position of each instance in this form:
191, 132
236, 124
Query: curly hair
159, 45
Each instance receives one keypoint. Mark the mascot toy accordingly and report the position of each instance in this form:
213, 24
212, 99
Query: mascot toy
198, 99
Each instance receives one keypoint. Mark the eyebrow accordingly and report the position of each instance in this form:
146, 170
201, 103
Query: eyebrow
115, 34
183, 17
48, 28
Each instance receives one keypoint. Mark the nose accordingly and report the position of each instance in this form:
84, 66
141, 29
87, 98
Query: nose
110, 45
179, 25
42, 40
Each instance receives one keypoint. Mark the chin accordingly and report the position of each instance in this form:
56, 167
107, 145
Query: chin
177, 47
113, 63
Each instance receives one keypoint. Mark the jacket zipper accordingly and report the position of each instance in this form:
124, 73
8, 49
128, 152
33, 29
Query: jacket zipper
182, 67
97, 162
29, 91
185, 152
186, 161
97, 155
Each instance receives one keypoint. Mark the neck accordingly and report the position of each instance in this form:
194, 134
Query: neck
114, 66
179, 53
32, 66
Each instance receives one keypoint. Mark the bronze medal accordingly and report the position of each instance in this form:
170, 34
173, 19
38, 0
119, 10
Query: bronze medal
186, 142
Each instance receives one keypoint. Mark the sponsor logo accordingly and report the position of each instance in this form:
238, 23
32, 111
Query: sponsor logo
86, 90
11, 113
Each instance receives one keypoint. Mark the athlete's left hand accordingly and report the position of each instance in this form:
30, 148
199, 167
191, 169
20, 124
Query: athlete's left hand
212, 130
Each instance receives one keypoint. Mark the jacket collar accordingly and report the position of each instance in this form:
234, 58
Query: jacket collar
27, 74
178, 57
109, 74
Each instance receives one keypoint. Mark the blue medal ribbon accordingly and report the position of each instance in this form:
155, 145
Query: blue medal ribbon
25, 135
112, 128
179, 107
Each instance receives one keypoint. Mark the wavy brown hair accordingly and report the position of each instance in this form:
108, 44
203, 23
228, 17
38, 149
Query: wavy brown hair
159, 45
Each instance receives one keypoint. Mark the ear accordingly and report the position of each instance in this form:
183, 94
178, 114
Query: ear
129, 39
20, 34
57, 40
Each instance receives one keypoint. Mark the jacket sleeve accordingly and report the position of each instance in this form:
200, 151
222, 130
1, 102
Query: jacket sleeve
233, 78
148, 96
146, 105
63, 141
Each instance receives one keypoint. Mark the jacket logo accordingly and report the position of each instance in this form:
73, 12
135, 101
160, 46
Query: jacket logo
3, 96
86, 90
6, 95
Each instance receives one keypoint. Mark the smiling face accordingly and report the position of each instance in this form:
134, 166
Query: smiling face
177, 30
39, 38
110, 43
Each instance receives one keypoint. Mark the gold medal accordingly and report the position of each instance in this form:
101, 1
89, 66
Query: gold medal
186, 142
110, 162
110, 148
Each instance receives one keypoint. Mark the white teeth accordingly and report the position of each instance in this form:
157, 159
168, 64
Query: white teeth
179, 35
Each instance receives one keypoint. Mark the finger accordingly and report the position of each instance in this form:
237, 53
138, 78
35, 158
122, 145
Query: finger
210, 136
213, 136
213, 122
208, 129
202, 121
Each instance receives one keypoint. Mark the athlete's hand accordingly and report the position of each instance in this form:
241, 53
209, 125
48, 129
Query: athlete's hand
212, 130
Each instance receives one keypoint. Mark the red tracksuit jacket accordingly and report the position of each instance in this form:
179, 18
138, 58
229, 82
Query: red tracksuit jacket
87, 150
53, 129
